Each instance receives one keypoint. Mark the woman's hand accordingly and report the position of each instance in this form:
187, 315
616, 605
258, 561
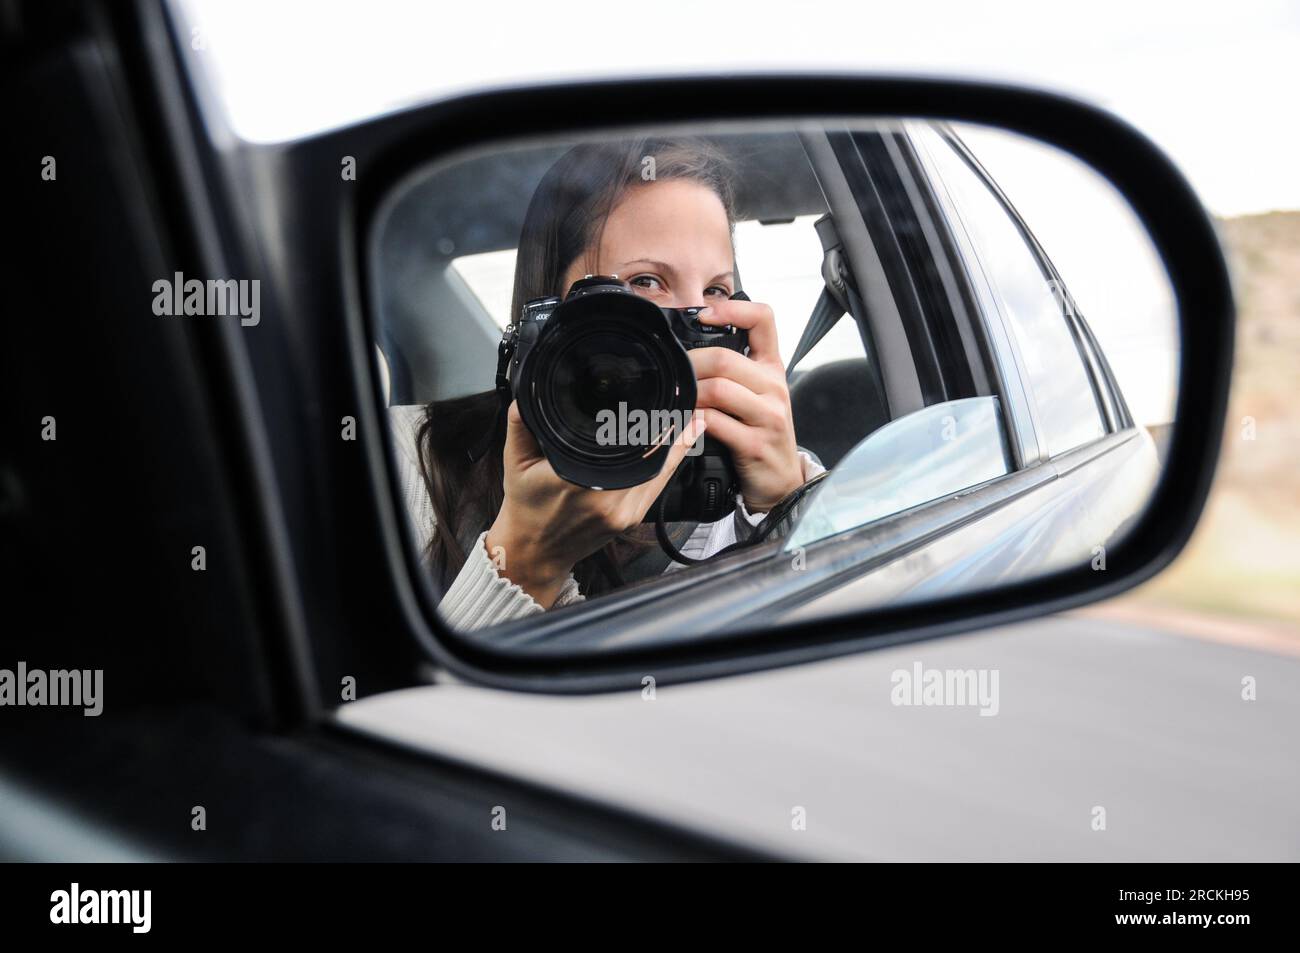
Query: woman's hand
746, 403
546, 524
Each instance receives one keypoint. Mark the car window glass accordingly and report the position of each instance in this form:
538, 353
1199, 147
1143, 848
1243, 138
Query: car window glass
1067, 409
919, 458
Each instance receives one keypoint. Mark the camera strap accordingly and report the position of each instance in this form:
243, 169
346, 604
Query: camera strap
778, 521
505, 352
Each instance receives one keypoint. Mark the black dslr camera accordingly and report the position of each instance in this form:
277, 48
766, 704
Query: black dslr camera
604, 385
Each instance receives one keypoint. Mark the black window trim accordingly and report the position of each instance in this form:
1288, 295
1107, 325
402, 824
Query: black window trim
876, 187
974, 349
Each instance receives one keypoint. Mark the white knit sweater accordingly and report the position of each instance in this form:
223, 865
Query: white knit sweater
480, 596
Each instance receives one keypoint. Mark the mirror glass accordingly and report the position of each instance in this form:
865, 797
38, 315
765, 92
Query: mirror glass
665, 383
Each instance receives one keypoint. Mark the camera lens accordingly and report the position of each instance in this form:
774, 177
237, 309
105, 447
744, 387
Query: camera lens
605, 381
599, 374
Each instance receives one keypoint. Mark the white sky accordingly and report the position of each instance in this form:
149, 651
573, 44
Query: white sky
1212, 83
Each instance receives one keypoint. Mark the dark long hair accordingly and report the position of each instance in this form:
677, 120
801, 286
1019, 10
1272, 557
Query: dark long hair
565, 219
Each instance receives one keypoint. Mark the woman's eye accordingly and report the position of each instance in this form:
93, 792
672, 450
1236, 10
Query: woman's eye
717, 290
648, 282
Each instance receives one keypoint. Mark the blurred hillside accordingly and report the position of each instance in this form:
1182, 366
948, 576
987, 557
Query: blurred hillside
1244, 559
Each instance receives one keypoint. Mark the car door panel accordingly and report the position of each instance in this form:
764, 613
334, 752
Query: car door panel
1038, 531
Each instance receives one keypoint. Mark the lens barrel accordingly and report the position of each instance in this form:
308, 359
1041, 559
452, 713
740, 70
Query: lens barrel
606, 386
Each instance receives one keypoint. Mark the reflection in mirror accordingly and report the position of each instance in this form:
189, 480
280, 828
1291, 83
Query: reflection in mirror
668, 383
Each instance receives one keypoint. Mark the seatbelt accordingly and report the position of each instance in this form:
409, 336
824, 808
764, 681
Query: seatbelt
837, 297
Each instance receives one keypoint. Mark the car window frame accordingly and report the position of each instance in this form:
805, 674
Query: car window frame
883, 198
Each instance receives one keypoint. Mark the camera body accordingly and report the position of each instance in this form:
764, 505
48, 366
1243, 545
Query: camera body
604, 385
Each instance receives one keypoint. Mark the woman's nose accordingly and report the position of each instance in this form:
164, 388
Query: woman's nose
685, 299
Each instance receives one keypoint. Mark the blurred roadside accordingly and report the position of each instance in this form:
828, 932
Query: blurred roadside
1239, 577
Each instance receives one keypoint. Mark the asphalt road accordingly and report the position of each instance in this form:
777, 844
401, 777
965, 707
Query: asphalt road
1150, 726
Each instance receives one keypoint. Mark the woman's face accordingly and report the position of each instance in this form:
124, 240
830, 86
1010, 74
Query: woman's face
670, 241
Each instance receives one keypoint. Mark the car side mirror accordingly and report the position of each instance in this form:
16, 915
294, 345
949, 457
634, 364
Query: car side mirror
1013, 357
